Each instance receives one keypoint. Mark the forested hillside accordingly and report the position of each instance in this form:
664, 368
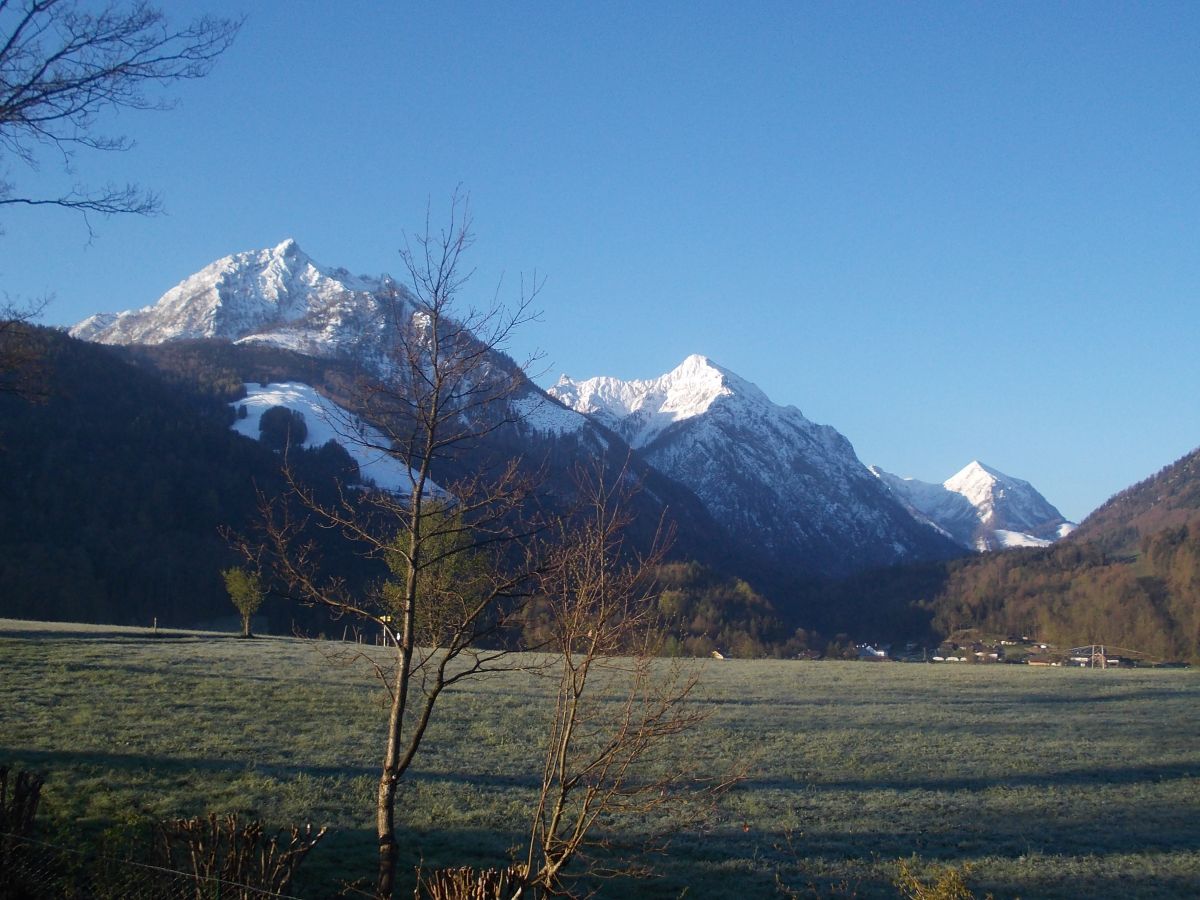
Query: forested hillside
1077, 593
116, 487
117, 482
704, 611
1171, 497
113, 490
700, 610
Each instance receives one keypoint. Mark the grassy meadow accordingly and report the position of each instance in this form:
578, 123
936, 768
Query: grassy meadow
1048, 783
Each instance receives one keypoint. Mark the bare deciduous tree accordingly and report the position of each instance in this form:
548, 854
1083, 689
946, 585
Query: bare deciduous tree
457, 550
609, 757
609, 754
63, 64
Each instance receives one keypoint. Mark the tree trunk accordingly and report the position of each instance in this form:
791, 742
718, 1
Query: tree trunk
385, 808
386, 882
246, 626
389, 777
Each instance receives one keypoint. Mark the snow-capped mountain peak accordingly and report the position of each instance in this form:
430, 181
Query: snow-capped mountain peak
979, 483
981, 507
640, 410
278, 295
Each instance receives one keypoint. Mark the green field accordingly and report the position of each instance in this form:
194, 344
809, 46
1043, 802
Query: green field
1048, 782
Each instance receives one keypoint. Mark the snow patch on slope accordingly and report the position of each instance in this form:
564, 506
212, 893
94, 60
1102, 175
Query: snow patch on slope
1008, 539
326, 421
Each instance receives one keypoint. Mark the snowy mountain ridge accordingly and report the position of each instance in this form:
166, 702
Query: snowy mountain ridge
280, 296
762, 469
981, 508
640, 410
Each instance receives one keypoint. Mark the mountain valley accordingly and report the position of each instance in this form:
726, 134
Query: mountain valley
757, 492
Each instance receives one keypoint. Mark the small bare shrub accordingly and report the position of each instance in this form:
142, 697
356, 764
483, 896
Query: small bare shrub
240, 854
465, 883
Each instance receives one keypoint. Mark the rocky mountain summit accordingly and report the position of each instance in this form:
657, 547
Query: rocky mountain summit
277, 296
280, 296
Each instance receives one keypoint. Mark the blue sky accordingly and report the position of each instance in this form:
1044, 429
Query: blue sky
952, 231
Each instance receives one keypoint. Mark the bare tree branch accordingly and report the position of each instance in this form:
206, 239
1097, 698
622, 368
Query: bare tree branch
64, 64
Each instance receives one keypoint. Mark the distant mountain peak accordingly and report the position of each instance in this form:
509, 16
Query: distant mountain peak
976, 472
981, 507
976, 469
697, 368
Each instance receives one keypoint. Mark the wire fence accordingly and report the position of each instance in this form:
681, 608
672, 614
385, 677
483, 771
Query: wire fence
33, 870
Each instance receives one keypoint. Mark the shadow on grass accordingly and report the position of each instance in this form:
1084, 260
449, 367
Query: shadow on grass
1014, 855
1071, 887
1017, 858
1014, 837
118, 762
705, 870
1111, 775
1102, 775
1074, 698
995, 696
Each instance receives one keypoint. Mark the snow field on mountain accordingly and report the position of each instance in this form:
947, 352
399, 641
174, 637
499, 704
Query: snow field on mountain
326, 421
